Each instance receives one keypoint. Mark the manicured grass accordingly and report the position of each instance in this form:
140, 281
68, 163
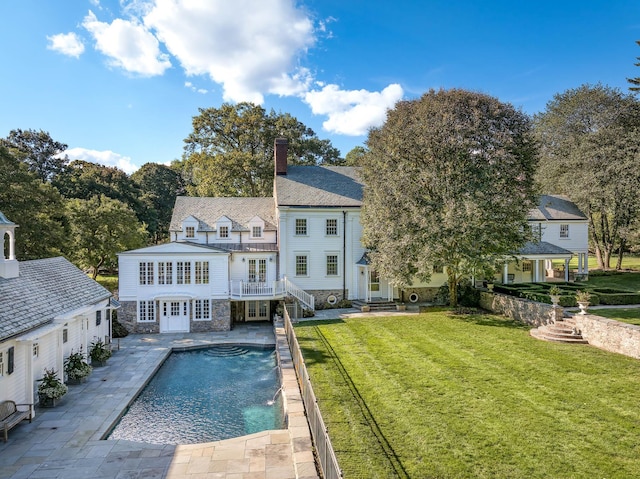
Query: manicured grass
619, 280
108, 281
626, 315
628, 262
435, 395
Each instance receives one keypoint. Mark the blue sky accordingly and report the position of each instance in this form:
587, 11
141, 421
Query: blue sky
120, 81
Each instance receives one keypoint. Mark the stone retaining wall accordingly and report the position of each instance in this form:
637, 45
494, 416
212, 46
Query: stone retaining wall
608, 334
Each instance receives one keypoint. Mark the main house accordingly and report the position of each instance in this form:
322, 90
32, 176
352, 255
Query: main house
48, 309
233, 259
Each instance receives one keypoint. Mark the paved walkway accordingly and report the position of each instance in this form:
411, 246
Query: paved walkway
65, 442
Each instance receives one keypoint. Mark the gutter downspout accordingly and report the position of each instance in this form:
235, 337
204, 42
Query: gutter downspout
344, 254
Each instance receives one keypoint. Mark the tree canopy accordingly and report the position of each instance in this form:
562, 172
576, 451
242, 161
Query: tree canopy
589, 142
230, 150
635, 81
449, 183
38, 150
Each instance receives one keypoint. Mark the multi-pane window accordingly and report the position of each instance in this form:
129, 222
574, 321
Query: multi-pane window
527, 266
203, 309
10, 360
202, 272
262, 306
301, 226
332, 265
36, 350
223, 232
175, 308
1, 363
146, 273
98, 318
256, 232
146, 311
301, 265
183, 272
251, 309
165, 272
258, 270
331, 227
65, 335
564, 231
191, 231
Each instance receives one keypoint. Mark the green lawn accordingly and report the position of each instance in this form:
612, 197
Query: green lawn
108, 281
618, 280
628, 262
435, 395
626, 315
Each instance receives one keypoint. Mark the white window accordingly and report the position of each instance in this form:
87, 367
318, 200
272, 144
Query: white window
331, 227
146, 273
1, 363
223, 232
332, 265
165, 273
175, 308
98, 318
256, 232
527, 266
301, 226
65, 335
183, 270
564, 231
191, 231
258, 270
36, 350
146, 311
203, 309
202, 272
301, 265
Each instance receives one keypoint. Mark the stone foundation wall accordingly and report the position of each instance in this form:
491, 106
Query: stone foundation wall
128, 317
425, 295
321, 295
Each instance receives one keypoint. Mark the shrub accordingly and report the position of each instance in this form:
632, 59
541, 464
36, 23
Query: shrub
50, 386
118, 330
617, 298
76, 366
99, 351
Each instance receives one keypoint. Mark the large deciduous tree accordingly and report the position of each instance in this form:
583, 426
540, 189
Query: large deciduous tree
36, 207
590, 150
100, 228
230, 151
449, 183
159, 185
41, 153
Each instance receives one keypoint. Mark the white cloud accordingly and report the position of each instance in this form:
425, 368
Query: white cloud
128, 44
352, 112
66, 43
107, 158
250, 47
193, 88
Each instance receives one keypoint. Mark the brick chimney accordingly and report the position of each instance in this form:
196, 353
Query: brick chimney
280, 154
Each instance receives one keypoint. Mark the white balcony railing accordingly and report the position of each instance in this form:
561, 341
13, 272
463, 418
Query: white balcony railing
248, 289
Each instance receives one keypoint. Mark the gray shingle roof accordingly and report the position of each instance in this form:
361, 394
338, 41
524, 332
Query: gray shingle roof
556, 207
208, 210
319, 186
44, 289
543, 248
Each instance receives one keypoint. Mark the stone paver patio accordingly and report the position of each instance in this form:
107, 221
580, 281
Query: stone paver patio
65, 442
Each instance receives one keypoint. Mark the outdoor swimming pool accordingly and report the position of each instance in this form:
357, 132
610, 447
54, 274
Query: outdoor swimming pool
206, 395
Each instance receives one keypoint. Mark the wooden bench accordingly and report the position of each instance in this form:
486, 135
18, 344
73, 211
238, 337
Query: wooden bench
10, 416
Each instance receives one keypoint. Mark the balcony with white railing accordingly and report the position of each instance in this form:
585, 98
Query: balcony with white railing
248, 290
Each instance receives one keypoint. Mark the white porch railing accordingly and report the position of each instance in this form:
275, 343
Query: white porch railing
301, 295
271, 289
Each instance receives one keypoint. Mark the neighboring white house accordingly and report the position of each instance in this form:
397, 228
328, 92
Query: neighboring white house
304, 242
48, 308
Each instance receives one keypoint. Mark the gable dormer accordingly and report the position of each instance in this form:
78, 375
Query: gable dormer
223, 228
190, 226
256, 228
9, 267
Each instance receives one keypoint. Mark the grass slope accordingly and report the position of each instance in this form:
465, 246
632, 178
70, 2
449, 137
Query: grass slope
470, 397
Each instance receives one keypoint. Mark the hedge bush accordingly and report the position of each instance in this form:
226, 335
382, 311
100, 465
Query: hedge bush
617, 298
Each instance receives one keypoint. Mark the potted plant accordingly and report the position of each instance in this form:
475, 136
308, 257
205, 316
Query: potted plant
99, 353
554, 294
50, 388
583, 298
76, 368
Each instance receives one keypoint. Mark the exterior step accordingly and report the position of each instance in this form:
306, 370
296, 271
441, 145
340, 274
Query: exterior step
375, 305
561, 332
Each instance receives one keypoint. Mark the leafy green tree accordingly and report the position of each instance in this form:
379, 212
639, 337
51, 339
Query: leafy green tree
36, 207
84, 180
38, 150
589, 141
100, 228
230, 151
449, 183
635, 81
159, 185
355, 156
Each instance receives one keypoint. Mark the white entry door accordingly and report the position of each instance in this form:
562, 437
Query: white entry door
174, 317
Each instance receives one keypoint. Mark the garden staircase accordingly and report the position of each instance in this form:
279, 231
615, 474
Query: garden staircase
375, 305
560, 331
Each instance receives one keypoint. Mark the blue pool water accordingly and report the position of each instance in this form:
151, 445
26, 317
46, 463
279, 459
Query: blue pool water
206, 395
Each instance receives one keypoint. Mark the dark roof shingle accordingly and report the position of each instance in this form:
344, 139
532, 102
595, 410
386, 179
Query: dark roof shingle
338, 186
208, 210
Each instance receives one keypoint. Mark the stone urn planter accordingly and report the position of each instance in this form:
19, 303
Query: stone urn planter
583, 298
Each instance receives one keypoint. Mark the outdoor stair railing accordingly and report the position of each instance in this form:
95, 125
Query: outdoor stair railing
307, 300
